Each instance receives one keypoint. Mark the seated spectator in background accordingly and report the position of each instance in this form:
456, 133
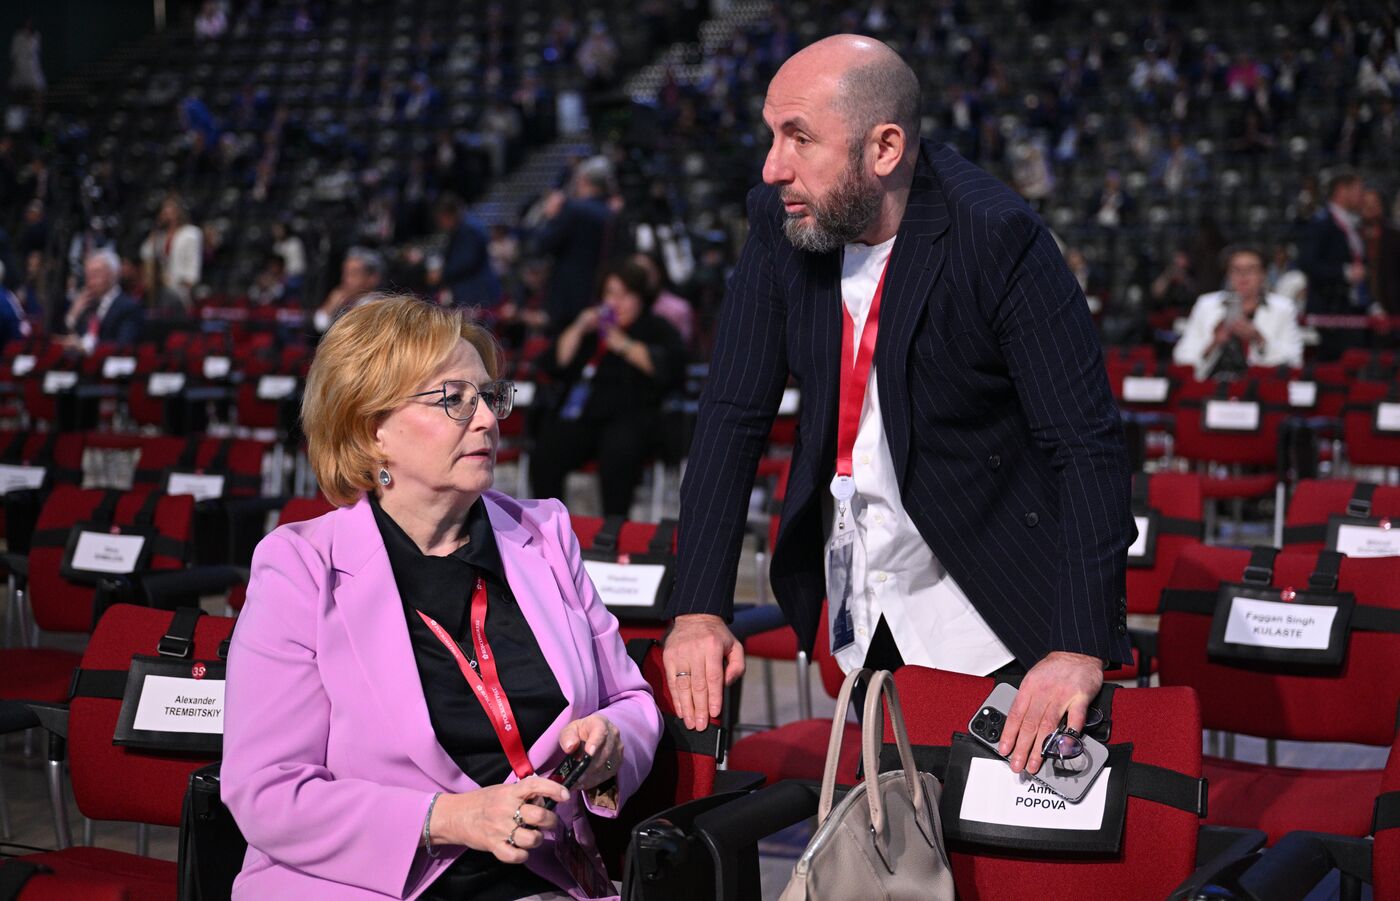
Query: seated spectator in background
1179, 170
212, 21
270, 284
466, 265
1242, 326
616, 363
359, 275
358, 760
1090, 279
86, 242
1114, 207
1382, 242
668, 305
1175, 288
16, 322
102, 313
287, 245
577, 228
173, 255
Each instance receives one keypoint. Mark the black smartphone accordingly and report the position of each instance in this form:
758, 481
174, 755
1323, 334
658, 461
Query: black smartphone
568, 774
986, 726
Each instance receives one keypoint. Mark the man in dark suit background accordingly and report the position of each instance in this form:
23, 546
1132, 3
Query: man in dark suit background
102, 313
988, 482
575, 236
1331, 250
466, 267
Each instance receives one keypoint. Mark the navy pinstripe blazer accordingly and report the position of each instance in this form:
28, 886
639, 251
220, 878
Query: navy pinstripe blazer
995, 403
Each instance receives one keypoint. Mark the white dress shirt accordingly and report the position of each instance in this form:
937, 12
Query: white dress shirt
894, 572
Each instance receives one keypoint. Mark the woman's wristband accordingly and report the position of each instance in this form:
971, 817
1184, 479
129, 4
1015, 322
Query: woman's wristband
427, 826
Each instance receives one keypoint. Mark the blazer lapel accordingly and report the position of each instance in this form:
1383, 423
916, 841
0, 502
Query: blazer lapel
821, 315
915, 264
369, 599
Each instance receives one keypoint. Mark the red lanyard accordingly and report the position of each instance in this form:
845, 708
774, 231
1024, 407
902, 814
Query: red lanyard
487, 685
855, 375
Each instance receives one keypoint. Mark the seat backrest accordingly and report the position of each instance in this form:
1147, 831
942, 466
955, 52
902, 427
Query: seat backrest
1316, 500
1366, 446
64, 606
632, 538
1194, 442
300, 509
1345, 705
1177, 499
680, 771
1159, 842
1385, 854
112, 782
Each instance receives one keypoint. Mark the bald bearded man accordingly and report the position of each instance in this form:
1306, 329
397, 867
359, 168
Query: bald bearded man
960, 489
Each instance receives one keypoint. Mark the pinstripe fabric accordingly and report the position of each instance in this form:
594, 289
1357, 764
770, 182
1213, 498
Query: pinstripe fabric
995, 404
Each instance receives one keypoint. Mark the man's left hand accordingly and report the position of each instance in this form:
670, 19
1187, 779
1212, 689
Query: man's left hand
1061, 683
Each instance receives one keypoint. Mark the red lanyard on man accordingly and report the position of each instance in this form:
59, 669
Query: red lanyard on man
855, 376
487, 684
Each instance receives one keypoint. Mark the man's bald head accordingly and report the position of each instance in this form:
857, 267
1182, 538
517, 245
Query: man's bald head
869, 83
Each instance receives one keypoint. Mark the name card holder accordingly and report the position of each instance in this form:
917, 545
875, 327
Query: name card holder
164, 384
201, 486
1302, 395
1231, 416
14, 477
632, 588
1142, 553
1387, 421
173, 701
95, 550
56, 381
984, 803
23, 365
276, 387
217, 367
524, 395
791, 402
118, 367
1142, 389
1360, 536
1257, 624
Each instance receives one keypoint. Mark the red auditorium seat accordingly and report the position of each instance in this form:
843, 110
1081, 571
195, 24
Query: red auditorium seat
1200, 440
1366, 443
1355, 703
1315, 501
297, 509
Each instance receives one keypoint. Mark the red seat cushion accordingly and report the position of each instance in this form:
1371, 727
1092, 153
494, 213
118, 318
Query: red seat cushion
1281, 799
775, 644
796, 751
101, 873
36, 674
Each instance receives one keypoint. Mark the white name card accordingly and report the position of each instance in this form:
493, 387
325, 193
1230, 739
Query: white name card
276, 387
164, 384
1388, 417
202, 486
216, 367
524, 394
59, 380
23, 364
18, 478
1274, 624
118, 367
1140, 389
792, 399
626, 585
1368, 541
171, 704
105, 553
996, 795
1302, 394
1232, 415
1139, 546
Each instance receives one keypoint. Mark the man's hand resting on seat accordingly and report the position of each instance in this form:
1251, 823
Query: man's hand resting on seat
701, 656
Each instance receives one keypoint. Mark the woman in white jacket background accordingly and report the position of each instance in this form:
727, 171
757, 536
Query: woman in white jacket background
1242, 326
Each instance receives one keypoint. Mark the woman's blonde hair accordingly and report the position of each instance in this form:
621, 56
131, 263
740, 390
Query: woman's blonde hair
370, 359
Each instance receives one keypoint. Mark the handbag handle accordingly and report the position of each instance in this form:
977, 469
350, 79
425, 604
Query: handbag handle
882, 691
833, 745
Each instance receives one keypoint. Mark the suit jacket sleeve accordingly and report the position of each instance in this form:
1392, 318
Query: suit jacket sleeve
747, 374
624, 697
274, 776
1055, 362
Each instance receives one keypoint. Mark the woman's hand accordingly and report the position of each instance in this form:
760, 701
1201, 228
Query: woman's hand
599, 739
484, 820
587, 321
617, 341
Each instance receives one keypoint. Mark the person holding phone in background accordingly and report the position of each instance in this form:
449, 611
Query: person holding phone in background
360, 760
615, 365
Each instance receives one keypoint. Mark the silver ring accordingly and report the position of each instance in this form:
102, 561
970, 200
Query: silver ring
510, 839
516, 816
678, 675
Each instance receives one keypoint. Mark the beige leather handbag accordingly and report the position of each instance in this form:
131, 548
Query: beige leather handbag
884, 841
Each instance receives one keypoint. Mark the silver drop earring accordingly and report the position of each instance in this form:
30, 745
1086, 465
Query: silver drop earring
384, 477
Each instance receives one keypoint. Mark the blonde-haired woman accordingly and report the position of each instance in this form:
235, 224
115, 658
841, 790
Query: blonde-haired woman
410, 666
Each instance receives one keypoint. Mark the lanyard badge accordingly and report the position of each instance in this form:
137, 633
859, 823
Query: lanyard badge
855, 376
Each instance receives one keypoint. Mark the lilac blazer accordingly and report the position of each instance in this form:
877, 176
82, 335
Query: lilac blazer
330, 759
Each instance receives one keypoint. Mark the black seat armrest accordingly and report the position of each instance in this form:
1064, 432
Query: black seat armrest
737, 781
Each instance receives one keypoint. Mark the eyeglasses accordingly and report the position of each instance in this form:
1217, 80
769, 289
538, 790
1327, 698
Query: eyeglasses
458, 398
1065, 747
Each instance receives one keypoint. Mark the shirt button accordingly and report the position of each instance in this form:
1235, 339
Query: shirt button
861, 631
882, 577
1032, 519
865, 459
879, 517
1122, 629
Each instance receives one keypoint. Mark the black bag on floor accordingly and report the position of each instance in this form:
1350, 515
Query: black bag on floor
211, 845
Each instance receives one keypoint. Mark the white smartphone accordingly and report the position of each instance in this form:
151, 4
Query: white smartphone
1070, 781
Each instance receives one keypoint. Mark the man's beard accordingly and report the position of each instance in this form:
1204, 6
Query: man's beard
839, 218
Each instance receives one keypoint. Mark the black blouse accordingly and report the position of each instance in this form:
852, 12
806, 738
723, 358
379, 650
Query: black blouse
619, 388
442, 587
